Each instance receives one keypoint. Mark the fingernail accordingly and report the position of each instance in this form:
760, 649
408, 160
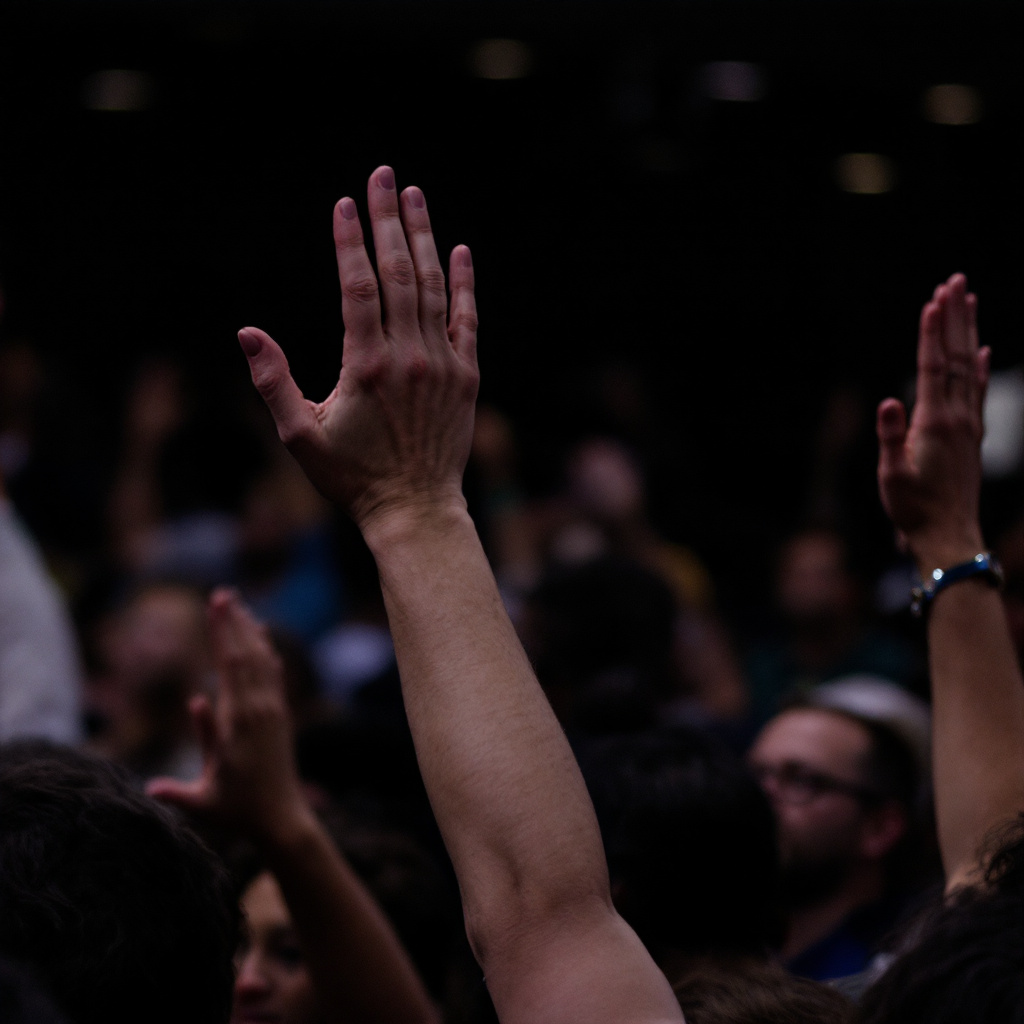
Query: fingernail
251, 345
386, 179
348, 208
416, 200
465, 257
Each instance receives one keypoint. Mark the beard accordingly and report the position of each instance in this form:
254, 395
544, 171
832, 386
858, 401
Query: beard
807, 882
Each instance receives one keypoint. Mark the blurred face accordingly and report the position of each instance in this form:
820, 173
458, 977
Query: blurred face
605, 481
160, 635
810, 763
272, 985
813, 584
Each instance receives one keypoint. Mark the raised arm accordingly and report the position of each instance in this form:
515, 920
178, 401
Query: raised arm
389, 445
250, 784
930, 478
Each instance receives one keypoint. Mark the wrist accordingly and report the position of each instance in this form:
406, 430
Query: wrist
932, 553
981, 568
414, 522
284, 831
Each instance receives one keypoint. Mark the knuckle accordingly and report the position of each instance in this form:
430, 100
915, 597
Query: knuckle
471, 383
361, 289
465, 321
397, 268
431, 278
267, 381
417, 367
372, 370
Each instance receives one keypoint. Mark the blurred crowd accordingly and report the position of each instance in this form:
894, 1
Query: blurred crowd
788, 725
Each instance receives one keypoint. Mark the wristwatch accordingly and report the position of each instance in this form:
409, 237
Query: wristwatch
983, 566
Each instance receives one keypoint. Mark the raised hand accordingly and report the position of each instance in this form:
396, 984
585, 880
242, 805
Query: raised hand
249, 781
929, 474
930, 477
394, 435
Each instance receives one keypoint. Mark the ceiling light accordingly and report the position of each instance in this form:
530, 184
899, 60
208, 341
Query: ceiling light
866, 174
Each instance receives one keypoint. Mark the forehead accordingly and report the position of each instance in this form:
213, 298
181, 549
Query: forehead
264, 905
812, 737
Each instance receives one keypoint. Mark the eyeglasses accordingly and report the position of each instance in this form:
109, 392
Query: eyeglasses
798, 784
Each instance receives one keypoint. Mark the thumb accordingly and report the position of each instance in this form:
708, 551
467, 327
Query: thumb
193, 795
188, 796
891, 426
269, 370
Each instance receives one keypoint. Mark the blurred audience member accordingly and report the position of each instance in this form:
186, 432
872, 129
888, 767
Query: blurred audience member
41, 683
152, 658
843, 788
317, 948
825, 625
118, 909
691, 846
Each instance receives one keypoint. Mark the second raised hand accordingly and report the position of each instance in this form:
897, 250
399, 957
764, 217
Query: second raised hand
929, 472
393, 437
249, 780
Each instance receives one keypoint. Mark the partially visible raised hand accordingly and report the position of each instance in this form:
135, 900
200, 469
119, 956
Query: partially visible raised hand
394, 435
249, 782
929, 473
929, 476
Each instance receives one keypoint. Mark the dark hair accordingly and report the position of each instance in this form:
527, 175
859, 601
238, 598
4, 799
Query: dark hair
600, 637
749, 992
118, 907
690, 840
22, 999
967, 967
410, 886
890, 767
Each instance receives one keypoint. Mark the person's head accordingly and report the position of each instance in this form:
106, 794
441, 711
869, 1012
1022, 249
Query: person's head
120, 910
22, 999
753, 992
967, 965
273, 981
815, 583
841, 788
600, 637
690, 842
152, 656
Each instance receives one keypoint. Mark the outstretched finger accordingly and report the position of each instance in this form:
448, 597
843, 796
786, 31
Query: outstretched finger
293, 414
433, 301
462, 321
360, 298
244, 657
394, 261
957, 337
931, 356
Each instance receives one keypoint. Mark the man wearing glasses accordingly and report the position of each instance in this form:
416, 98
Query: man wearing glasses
843, 789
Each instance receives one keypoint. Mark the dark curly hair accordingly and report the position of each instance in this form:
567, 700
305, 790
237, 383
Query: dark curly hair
120, 910
690, 841
967, 966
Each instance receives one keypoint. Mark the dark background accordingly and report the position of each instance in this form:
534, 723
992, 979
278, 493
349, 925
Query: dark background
616, 213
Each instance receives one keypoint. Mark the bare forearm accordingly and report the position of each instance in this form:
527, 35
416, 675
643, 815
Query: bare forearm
359, 967
505, 787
